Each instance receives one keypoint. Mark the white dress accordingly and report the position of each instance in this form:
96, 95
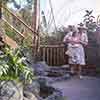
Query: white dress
76, 51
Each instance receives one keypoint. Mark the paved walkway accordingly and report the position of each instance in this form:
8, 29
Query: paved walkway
76, 89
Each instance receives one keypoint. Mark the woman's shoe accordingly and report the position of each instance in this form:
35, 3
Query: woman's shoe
73, 73
81, 77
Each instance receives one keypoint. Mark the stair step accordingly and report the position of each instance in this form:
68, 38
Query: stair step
10, 42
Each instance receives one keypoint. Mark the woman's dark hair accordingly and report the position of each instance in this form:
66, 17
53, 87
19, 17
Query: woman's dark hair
70, 27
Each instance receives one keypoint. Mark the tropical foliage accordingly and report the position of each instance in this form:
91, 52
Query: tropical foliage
12, 66
89, 21
16, 5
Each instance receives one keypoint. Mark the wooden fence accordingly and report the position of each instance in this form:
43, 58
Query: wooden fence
54, 55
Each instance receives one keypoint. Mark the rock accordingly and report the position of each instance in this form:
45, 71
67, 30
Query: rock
1, 52
25, 98
43, 81
33, 88
29, 96
11, 90
41, 68
65, 66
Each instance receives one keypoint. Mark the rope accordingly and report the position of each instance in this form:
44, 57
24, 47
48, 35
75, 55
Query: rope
50, 3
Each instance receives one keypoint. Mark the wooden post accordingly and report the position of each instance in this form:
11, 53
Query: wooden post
34, 21
35, 28
34, 15
0, 9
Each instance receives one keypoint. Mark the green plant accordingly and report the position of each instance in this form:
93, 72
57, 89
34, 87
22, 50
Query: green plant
89, 21
10, 34
12, 66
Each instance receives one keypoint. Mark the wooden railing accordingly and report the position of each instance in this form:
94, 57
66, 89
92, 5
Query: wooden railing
54, 55
19, 19
22, 32
13, 27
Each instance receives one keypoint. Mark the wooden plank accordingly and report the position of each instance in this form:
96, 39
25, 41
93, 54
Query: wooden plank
51, 53
47, 51
44, 54
52, 46
58, 56
63, 53
54, 55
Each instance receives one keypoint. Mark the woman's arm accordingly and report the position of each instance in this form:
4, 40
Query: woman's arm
67, 38
84, 40
84, 43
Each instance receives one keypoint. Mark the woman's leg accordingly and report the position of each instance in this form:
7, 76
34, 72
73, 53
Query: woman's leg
80, 71
72, 68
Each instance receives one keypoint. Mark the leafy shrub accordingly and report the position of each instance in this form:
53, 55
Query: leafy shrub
12, 66
10, 34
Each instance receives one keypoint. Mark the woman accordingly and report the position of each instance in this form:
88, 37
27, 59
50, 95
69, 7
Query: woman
76, 41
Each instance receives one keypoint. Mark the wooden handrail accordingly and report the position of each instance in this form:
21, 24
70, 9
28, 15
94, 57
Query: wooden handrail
51, 46
20, 20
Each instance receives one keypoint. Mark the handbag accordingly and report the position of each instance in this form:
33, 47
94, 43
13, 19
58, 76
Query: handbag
68, 52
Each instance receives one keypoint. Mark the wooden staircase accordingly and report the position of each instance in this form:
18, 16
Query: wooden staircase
8, 40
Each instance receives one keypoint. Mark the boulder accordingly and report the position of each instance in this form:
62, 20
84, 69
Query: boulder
11, 90
29, 96
41, 68
33, 88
